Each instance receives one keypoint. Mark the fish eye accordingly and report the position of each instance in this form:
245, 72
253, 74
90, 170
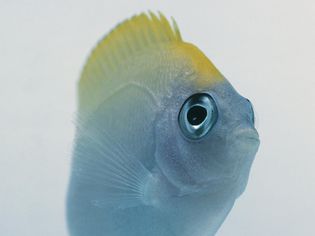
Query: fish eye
197, 115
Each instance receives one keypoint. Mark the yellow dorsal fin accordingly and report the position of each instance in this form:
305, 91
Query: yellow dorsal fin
127, 39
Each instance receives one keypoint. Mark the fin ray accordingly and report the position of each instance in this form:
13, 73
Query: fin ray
121, 45
124, 179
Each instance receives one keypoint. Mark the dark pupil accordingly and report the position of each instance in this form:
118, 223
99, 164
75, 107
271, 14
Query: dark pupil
196, 115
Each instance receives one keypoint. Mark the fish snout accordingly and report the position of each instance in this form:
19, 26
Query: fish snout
244, 142
249, 134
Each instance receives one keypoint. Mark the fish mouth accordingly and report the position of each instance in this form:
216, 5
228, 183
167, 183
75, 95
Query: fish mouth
245, 142
247, 134
243, 145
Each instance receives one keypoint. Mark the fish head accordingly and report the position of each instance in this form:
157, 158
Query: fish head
205, 135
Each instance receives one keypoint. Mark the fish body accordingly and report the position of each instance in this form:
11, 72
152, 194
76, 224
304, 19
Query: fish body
164, 143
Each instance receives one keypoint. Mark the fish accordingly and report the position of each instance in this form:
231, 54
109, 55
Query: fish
163, 144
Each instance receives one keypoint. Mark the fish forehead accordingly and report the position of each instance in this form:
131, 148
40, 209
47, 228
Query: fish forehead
194, 61
175, 64
175, 68
161, 71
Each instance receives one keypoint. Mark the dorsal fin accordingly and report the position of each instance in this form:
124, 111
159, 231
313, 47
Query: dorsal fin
124, 41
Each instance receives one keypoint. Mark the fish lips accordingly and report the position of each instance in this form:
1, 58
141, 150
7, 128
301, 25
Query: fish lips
243, 146
246, 141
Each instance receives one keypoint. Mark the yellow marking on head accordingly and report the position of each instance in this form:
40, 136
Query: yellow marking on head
120, 49
131, 37
208, 74
122, 45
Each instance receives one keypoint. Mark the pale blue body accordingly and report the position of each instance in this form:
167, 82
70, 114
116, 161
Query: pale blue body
135, 174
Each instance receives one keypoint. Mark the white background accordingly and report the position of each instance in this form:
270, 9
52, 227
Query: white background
265, 48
